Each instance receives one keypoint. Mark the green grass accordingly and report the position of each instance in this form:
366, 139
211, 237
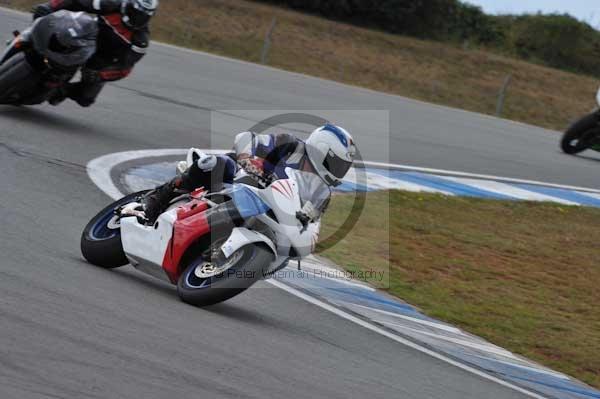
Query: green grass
523, 275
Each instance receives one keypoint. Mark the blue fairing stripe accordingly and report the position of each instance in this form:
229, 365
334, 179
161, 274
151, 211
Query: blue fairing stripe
247, 203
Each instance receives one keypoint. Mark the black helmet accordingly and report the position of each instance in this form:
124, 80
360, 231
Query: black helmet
137, 13
66, 38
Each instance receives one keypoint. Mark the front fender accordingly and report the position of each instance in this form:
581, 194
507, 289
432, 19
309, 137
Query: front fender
241, 236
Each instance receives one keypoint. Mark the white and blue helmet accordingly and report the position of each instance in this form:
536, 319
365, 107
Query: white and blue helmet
331, 151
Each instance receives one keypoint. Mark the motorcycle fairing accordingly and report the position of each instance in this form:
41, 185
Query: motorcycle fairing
187, 229
248, 204
163, 245
146, 246
241, 236
283, 197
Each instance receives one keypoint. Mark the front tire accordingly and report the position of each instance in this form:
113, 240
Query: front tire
17, 79
101, 239
573, 141
247, 270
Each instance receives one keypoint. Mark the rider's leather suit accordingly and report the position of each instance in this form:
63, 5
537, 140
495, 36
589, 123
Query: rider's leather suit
274, 153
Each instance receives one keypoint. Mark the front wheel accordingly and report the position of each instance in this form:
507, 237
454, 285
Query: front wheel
207, 281
17, 79
101, 239
577, 138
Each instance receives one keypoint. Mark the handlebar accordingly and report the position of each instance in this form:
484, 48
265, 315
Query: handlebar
255, 173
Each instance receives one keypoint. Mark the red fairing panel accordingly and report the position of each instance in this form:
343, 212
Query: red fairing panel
191, 224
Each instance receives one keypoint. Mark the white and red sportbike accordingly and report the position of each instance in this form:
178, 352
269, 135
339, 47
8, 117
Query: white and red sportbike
211, 245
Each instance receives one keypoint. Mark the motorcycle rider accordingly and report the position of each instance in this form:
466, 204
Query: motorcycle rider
122, 41
324, 158
55, 46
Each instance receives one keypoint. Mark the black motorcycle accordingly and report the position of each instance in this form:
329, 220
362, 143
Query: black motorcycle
583, 134
41, 60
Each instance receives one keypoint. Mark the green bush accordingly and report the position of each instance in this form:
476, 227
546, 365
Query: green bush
560, 41
436, 19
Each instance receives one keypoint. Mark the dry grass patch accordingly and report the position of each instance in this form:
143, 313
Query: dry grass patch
425, 70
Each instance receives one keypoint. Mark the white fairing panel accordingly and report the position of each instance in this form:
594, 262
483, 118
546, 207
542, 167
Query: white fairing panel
148, 243
283, 197
598, 97
240, 237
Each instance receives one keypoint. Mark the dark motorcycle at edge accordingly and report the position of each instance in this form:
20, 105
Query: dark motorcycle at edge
583, 134
42, 59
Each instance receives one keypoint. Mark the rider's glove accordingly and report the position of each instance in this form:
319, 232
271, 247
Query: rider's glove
307, 215
310, 211
253, 165
41, 10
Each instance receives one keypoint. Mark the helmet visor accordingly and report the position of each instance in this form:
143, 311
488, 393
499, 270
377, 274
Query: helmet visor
336, 165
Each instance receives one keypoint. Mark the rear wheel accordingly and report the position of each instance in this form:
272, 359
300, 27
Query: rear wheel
101, 239
211, 278
17, 79
578, 137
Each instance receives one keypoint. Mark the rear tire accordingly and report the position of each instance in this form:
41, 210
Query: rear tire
101, 245
233, 281
18, 78
570, 143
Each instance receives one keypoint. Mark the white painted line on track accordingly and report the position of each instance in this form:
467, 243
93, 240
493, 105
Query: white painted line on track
400, 340
338, 280
479, 176
507, 189
348, 283
487, 347
128, 155
439, 326
591, 195
377, 181
99, 170
539, 369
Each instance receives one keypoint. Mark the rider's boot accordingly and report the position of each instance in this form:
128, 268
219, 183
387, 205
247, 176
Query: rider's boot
209, 172
59, 95
157, 200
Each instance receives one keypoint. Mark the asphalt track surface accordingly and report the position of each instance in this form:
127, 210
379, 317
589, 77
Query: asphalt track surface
70, 330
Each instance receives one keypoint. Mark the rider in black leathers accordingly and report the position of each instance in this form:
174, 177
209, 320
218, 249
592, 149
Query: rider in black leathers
122, 41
